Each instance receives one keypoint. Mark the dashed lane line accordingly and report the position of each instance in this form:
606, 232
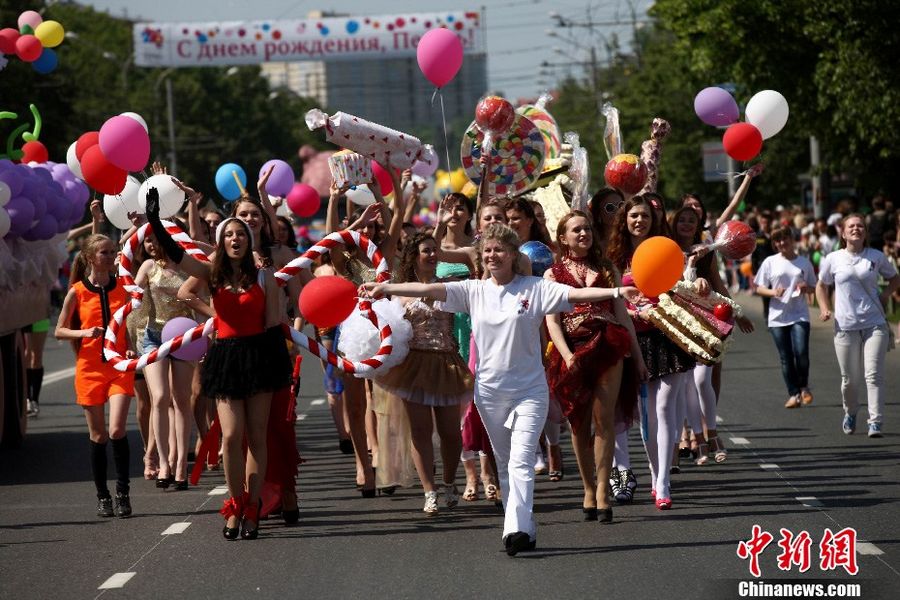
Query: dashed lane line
810, 501
769, 466
117, 581
176, 528
740, 441
317, 402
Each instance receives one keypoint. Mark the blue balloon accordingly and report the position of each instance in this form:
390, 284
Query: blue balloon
225, 182
539, 254
46, 62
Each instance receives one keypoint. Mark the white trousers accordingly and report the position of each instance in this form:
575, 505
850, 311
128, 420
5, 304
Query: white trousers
514, 426
860, 354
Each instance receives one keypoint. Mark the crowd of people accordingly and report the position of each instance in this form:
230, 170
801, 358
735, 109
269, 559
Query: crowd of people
502, 360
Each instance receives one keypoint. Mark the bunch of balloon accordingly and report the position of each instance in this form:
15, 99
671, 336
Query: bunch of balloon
104, 158
766, 114
33, 41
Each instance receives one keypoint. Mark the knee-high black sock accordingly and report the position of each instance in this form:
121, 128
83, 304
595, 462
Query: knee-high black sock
34, 378
121, 456
98, 468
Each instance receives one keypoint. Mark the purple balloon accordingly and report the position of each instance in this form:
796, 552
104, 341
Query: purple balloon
716, 107
43, 230
76, 213
83, 193
5, 164
43, 174
39, 201
21, 215
59, 207
282, 179
13, 180
177, 326
61, 172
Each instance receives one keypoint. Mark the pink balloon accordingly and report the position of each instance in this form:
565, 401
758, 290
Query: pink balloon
125, 143
427, 165
30, 18
178, 326
384, 179
440, 55
303, 200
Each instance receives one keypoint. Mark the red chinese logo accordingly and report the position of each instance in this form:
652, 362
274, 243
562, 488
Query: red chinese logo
835, 550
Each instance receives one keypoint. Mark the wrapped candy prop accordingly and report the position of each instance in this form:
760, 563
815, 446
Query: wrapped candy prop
537, 114
612, 133
539, 254
359, 338
626, 172
651, 150
579, 171
516, 158
349, 168
382, 144
427, 164
734, 240
494, 115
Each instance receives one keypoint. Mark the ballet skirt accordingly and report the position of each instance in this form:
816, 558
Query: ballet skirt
433, 374
598, 344
462, 322
245, 358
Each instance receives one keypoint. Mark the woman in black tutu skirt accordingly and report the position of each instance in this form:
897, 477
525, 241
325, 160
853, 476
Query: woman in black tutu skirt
247, 361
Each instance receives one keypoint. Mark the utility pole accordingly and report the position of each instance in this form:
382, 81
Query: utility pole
173, 157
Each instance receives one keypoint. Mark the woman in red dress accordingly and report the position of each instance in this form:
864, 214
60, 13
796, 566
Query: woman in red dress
585, 367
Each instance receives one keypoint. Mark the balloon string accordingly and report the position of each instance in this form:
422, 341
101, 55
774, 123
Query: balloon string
734, 173
437, 92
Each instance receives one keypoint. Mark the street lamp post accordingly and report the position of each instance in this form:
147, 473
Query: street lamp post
170, 114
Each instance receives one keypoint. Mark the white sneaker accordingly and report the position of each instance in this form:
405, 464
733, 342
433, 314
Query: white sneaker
540, 465
431, 505
451, 495
32, 409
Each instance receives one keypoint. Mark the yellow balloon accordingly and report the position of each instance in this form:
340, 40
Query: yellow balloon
50, 33
470, 190
458, 179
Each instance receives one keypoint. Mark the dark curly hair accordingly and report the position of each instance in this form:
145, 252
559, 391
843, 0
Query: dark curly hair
619, 246
409, 256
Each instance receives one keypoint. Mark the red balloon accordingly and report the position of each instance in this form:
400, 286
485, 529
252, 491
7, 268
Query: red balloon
383, 177
29, 48
327, 301
723, 312
742, 141
626, 172
8, 37
34, 152
91, 138
101, 174
494, 114
303, 200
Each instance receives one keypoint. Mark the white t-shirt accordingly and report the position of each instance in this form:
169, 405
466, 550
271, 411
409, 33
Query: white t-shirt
506, 325
777, 271
855, 280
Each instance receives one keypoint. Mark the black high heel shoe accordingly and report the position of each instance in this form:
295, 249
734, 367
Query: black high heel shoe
231, 508
163, 483
590, 514
604, 515
251, 513
180, 486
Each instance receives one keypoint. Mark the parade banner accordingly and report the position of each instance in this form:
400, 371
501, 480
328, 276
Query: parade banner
216, 44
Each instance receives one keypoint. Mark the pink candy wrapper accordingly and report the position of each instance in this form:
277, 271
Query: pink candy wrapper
350, 168
386, 146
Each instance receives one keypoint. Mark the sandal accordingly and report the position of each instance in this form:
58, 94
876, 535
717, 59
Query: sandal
556, 475
702, 454
471, 492
721, 454
491, 493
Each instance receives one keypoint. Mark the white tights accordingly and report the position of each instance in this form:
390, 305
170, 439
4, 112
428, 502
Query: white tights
662, 428
700, 398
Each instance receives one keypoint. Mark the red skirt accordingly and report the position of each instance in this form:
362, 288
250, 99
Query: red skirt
598, 346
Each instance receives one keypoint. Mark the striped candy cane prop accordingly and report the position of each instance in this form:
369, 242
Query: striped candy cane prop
305, 261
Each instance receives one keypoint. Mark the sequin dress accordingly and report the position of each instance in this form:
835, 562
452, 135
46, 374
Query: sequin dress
462, 322
433, 373
160, 297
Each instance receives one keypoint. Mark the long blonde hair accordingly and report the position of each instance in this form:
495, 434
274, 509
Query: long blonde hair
81, 266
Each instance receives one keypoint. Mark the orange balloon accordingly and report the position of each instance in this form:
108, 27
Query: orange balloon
657, 265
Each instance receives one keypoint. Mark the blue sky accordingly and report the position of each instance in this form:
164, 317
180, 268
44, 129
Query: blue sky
516, 29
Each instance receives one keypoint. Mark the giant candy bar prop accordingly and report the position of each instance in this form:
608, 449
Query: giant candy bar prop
383, 144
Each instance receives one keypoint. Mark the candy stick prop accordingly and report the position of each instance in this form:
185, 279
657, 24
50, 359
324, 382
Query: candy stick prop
361, 368
651, 150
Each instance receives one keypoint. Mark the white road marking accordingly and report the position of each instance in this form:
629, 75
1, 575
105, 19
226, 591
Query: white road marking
176, 528
769, 466
218, 491
719, 420
116, 581
59, 376
809, 501
740, 441
301, 417
868, 548
317, 402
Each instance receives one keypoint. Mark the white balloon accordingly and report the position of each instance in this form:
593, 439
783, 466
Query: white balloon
4, 222
768, 112
170, 196
361, 196
72, 161
5, 193
136, 117
117, 206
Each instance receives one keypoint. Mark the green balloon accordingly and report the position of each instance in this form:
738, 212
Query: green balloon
26, 29
816, 257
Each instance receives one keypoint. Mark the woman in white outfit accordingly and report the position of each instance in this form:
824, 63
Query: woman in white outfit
510, 387
860, 329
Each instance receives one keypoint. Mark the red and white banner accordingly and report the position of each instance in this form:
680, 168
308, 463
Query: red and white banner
216, 44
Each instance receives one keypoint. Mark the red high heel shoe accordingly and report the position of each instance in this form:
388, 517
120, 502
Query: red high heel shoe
663, 503
233, 507
251, 515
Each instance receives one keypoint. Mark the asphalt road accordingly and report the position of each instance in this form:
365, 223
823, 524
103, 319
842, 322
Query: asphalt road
790, 470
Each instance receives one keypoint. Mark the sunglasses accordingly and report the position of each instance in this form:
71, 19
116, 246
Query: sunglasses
611, 207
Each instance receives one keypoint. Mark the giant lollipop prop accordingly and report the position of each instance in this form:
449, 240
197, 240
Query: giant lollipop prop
734, 240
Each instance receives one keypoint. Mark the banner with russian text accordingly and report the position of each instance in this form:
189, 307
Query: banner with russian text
216, 44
